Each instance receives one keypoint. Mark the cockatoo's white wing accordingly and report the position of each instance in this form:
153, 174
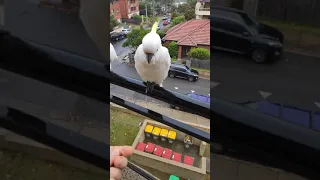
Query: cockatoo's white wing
153, 72
113, 55
94, 16
165, 60
139, 59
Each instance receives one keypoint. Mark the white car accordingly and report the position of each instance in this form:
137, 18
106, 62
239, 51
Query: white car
126, 31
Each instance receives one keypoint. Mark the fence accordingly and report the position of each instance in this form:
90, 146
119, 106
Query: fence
201, 64
270, 142
296, 11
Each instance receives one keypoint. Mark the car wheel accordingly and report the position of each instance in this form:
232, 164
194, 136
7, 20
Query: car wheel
190, 78
171, 75
259, 55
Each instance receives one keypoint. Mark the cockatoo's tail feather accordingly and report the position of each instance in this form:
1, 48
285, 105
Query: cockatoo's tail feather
154, 27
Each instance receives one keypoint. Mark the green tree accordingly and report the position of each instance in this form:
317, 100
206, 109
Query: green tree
142, 5
199, 53
192, 3
177, 20
134, 38
189, 14
187, 9
113, 22
173, 50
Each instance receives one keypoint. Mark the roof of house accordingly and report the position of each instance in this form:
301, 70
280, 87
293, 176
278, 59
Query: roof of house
191, 33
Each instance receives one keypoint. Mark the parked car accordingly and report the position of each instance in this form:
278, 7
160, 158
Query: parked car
126, 31
165, 22
199, 97
116, 36
169, 20
234, 31
164, 17
183, 71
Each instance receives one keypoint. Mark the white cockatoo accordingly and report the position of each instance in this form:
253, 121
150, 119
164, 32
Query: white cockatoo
94, 16
152, 60
113, 55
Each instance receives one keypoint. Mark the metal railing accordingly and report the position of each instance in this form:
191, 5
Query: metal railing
241, 132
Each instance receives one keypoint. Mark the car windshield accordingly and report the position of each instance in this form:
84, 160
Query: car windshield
254, 27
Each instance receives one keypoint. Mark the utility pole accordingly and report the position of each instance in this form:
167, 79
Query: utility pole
152, 9
146, 13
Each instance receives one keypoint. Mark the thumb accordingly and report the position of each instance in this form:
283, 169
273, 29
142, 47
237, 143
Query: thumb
115, 152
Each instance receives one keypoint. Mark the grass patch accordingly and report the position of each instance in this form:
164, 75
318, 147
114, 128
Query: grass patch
291, 26
124, 127
202, 70
17, 166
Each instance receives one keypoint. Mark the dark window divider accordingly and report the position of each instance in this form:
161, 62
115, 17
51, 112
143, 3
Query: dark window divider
64, 140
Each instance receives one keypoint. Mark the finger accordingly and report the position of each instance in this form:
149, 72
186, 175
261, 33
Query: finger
114, 152
124, 150
120, 162
115, 173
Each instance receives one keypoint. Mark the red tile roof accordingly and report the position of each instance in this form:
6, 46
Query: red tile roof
191, 33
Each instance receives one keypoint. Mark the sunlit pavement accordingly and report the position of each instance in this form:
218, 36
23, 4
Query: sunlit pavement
293, 81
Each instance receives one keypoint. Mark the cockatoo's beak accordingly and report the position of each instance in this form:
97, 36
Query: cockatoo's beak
149, 57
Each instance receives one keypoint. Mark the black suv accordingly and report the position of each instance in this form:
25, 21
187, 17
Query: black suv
117, 36
183, 71
234, 31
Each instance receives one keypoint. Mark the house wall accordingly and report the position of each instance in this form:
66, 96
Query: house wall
125, 8
115, 9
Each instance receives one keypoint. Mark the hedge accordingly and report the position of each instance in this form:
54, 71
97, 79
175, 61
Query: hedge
199, 53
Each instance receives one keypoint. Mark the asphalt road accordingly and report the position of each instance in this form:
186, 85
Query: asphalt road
202, 86
293, 81
121, 51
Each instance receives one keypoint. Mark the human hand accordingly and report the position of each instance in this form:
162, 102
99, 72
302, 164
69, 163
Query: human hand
118, 160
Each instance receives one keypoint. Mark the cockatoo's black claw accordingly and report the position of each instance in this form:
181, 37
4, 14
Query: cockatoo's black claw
150, 87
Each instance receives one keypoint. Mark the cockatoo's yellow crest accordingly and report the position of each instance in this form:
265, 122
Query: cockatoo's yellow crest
155, 26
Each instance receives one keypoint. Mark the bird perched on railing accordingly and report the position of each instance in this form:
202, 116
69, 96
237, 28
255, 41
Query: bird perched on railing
152, 60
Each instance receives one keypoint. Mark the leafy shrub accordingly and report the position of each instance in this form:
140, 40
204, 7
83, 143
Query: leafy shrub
161, 33
173, 50
137, 18
199, 53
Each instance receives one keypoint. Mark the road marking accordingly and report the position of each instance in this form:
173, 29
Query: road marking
192, 91
176, 88
264, 94
214, 84
317, 104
